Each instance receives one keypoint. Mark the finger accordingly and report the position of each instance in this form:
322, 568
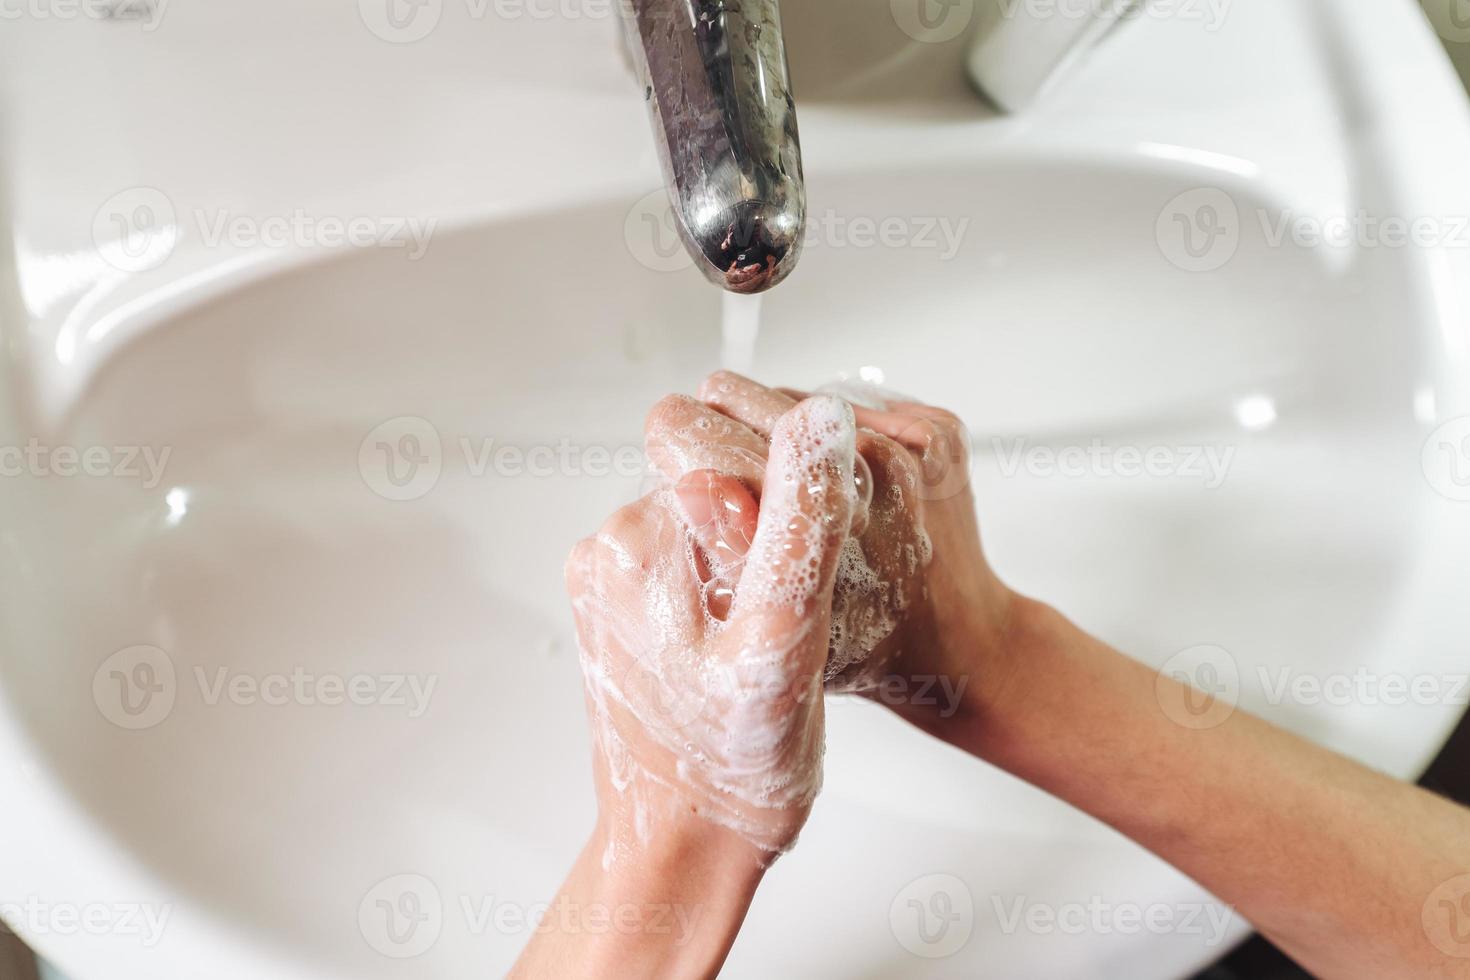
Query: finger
682, 434
893, 479
755, 405
937, 438
907, 406
721, 513
748, 401
913, 425
910, 431
784, 598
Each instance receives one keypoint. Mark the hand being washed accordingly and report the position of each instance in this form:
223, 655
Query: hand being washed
704, 639
914, 596
707, 699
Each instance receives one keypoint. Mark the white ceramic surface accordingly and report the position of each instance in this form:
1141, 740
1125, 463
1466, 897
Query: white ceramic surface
537, 314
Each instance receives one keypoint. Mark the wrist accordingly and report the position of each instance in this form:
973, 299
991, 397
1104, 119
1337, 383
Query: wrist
997, 656
668, 904
676, 848
675, 894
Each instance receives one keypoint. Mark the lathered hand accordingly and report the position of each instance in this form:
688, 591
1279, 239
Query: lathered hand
913, 589
704, 634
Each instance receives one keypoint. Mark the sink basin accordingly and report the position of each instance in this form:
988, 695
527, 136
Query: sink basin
304, 688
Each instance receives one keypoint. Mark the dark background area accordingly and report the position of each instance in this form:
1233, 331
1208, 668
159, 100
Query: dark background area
1257, 959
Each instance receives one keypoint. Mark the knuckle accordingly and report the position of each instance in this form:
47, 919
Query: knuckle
623, 527
717, 383
667, 413
953, 429
923, 432
631, 535
579, 562
881, 452
941, 430
952, 444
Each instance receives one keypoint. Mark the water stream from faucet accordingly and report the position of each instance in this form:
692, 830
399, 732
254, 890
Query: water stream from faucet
740, 329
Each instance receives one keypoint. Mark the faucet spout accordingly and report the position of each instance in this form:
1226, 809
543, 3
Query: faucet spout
715, 77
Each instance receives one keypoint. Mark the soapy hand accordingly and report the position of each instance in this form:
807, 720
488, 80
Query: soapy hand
914, 596
704, 633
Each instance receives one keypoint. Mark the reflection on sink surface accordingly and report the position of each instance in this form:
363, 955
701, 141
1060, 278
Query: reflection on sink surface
292, 540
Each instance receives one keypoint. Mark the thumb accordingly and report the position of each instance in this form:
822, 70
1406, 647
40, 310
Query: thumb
783, 603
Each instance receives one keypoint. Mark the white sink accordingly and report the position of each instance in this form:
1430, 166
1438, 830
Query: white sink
270, 544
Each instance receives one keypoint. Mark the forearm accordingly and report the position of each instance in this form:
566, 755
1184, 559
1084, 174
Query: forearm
671, 910
1331, 860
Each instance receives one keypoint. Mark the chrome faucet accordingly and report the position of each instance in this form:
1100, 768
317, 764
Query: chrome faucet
715, 77
717, 84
